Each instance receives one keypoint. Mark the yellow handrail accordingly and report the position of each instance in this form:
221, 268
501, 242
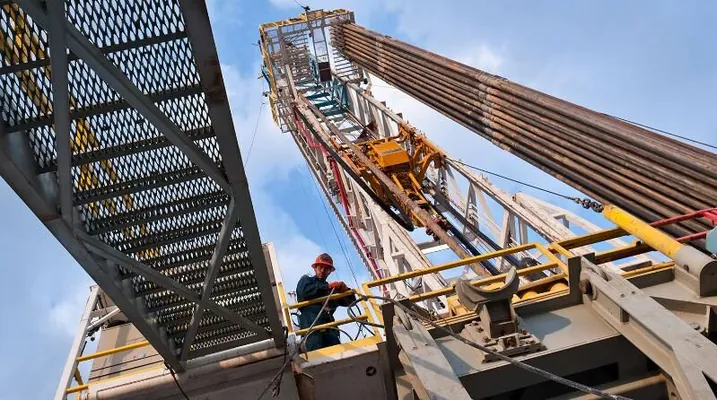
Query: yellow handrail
333, 324
113, 351
320, 299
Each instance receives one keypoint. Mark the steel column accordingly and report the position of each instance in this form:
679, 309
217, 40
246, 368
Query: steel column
682, 352
199, 32
77, 345
61, 105
424, 359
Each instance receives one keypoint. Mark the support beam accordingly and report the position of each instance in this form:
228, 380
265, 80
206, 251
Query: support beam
77, 345
158, 212
96, 324
103, 250
159, 239
117, 80
681, 351
210, 278
106, 108
196, 254
132, 44
61, 105
138, 185
137, 147
199, 32
425, 360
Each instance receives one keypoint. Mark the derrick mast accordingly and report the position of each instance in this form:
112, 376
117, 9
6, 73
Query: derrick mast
382, 176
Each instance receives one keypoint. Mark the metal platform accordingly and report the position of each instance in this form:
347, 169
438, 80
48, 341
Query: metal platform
124, 147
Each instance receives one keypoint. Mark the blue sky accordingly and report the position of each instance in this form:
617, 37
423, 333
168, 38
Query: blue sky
650, 61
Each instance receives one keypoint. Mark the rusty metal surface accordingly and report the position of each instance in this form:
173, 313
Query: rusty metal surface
648, 174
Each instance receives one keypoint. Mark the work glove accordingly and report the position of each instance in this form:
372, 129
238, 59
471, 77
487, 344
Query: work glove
339, 286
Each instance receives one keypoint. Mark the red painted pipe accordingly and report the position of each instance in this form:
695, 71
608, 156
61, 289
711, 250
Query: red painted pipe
345, 203
342, 193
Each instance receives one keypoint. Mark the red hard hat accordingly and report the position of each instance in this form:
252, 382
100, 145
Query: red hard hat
324, 259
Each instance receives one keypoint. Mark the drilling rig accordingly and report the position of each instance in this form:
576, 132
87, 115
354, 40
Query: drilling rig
118, 136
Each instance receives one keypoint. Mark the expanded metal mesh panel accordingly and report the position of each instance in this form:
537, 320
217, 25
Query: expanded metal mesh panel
134, 189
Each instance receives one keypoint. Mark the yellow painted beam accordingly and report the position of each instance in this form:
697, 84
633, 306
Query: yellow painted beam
343, 347
655, 238
320, 299
76, 389
334, 324
113, 351
453, 264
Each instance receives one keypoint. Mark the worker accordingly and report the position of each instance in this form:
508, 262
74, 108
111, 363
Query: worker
312, 287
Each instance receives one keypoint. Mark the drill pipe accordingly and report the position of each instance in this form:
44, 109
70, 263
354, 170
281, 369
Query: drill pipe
418, 81
627, 154
557, 151
558, 137
664, 146
481, 89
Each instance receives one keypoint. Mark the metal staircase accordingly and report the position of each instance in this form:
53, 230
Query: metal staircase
124, 147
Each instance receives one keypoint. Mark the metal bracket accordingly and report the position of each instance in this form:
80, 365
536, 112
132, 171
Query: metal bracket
682, 352
498, 326
497, 316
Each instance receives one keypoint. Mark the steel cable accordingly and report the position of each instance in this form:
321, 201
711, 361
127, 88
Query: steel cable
608, 159
298, 346
517, 363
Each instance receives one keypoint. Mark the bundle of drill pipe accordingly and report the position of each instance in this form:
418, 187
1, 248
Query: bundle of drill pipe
647, 174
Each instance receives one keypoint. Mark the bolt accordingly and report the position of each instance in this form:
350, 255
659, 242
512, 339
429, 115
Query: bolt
480, 329
695, 326
687, 268
486, 339
585, 287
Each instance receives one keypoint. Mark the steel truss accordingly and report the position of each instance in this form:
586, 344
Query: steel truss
118, 135
314, 110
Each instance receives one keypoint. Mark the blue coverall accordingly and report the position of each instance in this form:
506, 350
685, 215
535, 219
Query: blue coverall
312, 287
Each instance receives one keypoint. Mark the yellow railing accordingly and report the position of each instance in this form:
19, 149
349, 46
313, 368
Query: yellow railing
541, 289
552, 285
83, 386
557, 284
365, 316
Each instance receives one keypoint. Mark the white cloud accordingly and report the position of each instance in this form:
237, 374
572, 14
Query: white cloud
273, 153
222, 12
482, 57
65, 314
